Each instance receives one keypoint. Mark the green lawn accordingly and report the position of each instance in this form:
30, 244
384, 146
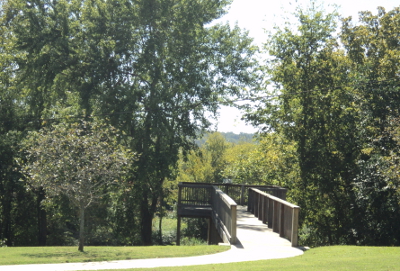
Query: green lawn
32, 255
324, 258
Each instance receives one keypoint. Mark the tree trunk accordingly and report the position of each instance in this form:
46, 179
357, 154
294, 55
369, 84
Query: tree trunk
160, 229
81, 227
161, 217
7, 220
42, 221
146, 225
147, 213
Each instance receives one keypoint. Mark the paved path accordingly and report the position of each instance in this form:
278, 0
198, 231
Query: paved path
256, 242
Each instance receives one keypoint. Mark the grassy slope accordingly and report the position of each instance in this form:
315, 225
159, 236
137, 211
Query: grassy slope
32, 255
324, 258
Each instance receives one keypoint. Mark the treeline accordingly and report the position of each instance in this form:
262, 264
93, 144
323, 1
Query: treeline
258, 161
230, 137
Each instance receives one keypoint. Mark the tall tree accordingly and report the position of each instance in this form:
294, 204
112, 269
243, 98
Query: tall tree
216, 146
313, 108
15, 202
372, 46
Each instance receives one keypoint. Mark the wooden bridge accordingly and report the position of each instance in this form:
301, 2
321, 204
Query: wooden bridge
218, 203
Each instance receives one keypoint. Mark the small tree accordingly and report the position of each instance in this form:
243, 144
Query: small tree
78, 160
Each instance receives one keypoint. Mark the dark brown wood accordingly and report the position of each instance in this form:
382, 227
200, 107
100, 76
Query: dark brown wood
270, 212
239, 192
279, 214
282, 221
178, 232
265, 210
208, 200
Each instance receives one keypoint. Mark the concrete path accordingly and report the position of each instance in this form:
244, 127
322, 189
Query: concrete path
256, 242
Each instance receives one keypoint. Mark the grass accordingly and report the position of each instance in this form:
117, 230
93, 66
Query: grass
323, 258
40, 255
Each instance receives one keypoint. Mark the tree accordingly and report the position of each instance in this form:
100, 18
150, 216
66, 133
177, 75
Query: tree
206, 163
243, 164
336, 104
372, 48
313, 110
17, 206
216, 146
78, 160
269, 160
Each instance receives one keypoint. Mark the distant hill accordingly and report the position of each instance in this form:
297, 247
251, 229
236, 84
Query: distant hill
236, 138
230, 137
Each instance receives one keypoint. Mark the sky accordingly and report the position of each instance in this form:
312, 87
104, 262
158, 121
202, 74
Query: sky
256, 16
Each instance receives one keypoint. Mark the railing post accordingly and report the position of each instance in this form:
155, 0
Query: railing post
178, 227
282, 221
178, 232
242, 195
295, 227
276, 215
249, 200
265, 210
270, 213
256, 199
234, 223
259, 206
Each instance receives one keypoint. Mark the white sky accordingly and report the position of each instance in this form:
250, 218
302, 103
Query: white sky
258, 15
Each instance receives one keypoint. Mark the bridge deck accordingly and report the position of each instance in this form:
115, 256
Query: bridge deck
251, 232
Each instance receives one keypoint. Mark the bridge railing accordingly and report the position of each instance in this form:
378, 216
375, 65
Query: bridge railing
238, 192
278, 214
193, 194
224, 215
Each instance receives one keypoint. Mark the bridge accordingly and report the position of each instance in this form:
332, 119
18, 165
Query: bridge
238, 213
263, 226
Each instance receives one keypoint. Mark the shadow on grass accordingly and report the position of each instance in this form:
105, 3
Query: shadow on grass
58, 254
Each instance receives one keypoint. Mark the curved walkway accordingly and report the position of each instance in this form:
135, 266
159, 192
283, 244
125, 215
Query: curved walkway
255, 242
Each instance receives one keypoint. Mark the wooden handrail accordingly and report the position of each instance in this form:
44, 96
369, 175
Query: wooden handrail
238, 192
278, 214
209, 200
224, 215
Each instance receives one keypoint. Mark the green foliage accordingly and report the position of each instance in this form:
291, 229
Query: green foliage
333, 107
269, 161
78, 160
243, 164
230, 137
206, 163
313, 111
195, 232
